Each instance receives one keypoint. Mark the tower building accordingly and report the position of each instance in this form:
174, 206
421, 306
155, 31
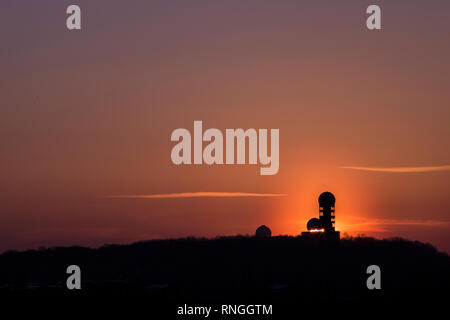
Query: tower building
326, 211
324, 226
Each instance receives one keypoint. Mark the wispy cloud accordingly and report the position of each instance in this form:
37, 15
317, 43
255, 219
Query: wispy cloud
197, 195
402, 169
386, 225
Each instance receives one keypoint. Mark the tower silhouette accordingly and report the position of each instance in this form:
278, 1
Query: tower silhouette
324, 226
326, 211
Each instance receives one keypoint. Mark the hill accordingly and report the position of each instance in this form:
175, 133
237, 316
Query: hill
281, 268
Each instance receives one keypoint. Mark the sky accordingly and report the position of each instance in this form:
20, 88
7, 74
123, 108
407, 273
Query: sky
86, 118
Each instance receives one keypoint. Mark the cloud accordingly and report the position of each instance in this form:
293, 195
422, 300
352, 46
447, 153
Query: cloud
387, 225
402, 169
197, 195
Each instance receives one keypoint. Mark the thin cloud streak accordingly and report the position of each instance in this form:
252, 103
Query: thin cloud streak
402, 169
429, 223
198, 195
385, 225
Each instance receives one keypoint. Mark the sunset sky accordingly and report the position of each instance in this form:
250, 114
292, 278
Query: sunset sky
86, 118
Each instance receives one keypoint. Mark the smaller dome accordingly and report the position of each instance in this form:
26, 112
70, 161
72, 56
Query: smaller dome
327, 199
314, 224
263, 232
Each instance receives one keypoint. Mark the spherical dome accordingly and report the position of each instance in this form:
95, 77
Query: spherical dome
263, 232
327, 199
314, 224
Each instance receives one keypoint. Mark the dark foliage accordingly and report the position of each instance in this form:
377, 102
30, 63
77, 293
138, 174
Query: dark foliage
234, 268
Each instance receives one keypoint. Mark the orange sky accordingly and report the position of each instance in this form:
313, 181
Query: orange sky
88, 114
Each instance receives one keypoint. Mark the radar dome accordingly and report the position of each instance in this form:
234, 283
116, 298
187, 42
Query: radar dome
314, 224
263, 232
327, 199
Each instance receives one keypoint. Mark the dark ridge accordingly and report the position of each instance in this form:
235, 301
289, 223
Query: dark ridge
281, 268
